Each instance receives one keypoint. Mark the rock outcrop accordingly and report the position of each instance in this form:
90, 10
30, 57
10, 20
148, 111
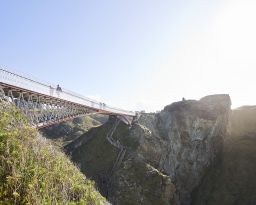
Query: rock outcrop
168, 153
232, 180
183, 140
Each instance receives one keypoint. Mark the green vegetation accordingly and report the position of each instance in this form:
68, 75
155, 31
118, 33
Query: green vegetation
135, 182
146, 184
121, 134
97, 156
33, 170
66, 132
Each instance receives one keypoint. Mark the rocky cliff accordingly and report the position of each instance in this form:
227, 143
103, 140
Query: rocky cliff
194, 132
232, 180
166, 154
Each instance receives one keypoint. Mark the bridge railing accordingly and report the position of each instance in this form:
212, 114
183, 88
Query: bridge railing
19, 81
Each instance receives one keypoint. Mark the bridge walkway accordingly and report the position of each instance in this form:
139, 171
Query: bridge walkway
45, 105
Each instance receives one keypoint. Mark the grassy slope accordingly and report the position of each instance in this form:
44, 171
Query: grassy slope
33, 171
135, 182
66, 132
97, 156
233, 181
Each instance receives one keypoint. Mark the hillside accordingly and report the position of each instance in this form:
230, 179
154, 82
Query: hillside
161, 159
97, 158
66, 132
34, 171
192, 152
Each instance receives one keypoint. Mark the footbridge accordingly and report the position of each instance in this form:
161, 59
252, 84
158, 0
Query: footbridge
45, 105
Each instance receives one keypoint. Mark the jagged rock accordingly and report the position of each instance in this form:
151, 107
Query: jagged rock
183, 140
139, 183
194, 132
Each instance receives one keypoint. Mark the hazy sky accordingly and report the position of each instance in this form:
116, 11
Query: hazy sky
135, 54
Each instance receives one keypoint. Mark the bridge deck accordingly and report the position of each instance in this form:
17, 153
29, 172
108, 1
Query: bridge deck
20, 83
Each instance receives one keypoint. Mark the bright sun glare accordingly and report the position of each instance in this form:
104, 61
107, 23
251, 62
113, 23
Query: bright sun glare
218, 59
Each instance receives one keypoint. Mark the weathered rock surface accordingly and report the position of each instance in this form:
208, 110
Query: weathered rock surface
137, 182
232, 181
168, 153
184, 139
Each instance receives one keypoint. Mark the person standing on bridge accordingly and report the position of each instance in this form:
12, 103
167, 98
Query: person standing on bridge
58, 88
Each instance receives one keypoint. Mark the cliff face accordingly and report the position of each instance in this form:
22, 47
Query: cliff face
232, 180
166, 154
183, 140
194, 132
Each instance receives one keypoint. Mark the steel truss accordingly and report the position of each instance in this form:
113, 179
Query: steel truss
40, 110
45, 105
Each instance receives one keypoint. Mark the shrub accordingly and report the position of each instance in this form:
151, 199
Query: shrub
33, 170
